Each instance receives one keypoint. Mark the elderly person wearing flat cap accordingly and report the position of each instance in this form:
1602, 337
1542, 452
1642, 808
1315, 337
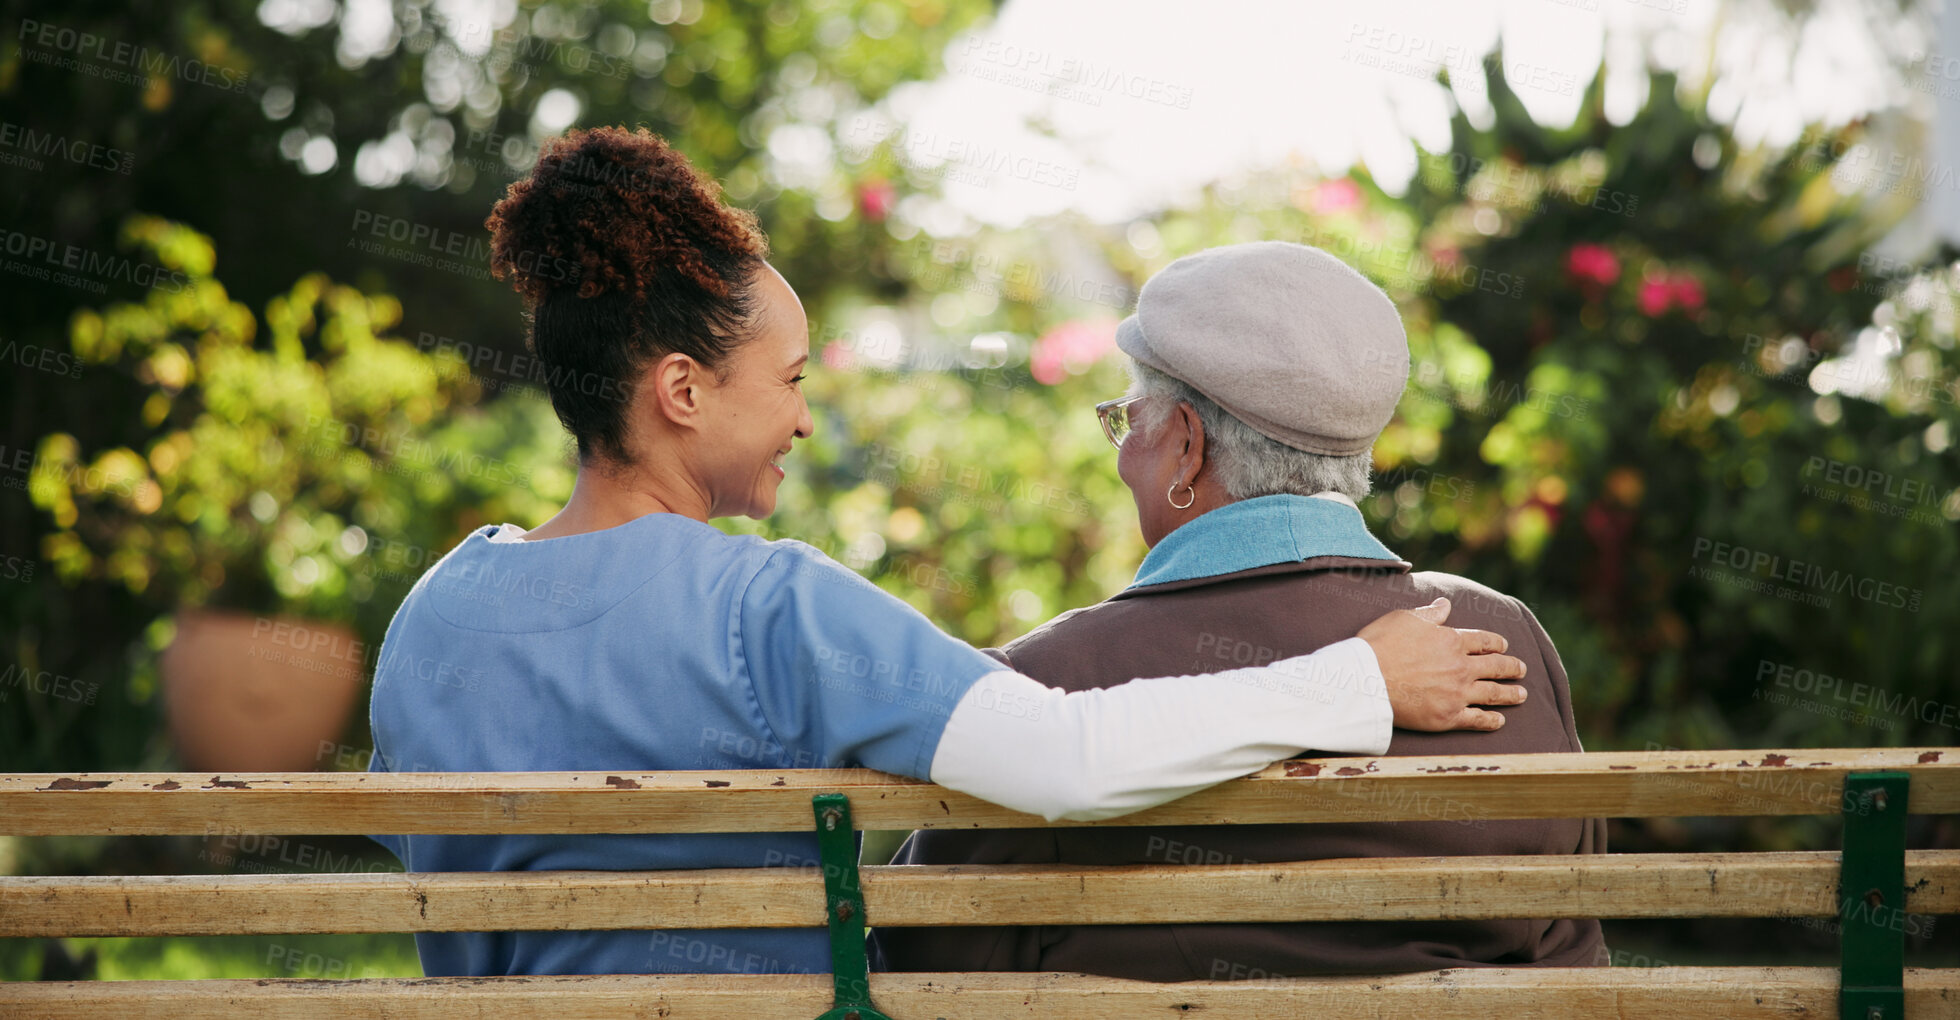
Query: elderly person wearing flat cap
1263, 373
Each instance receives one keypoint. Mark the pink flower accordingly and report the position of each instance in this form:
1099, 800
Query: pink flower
1070, 348
1656, 295
1592, 263
1671, 290
876, 197
1688, 293
1336, 195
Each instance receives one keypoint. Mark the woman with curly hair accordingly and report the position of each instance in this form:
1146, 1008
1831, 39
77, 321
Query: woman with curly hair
626, 634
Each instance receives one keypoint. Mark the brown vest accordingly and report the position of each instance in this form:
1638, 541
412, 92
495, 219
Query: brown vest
1247, 618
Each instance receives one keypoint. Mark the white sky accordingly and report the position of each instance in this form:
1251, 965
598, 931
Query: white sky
1152, 99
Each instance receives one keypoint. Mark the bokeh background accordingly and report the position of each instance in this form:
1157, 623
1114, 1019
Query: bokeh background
1676, 277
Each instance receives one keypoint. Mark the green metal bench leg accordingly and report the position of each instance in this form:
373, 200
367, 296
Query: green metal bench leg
1872, 897
844, 899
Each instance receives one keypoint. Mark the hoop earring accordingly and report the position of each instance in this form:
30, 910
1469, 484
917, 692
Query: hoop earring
1186, 505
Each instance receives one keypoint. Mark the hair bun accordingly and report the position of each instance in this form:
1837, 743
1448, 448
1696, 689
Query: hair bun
608, 210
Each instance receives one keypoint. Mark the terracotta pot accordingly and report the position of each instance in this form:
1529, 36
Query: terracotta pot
251, 693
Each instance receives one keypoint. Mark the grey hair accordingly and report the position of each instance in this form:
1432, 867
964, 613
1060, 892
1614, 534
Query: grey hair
1248, 464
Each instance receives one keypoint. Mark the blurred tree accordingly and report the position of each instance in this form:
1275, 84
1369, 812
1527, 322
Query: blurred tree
365, 142
1696, 354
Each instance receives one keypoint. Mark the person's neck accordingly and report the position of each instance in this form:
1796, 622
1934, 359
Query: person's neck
1206, 497
607, 496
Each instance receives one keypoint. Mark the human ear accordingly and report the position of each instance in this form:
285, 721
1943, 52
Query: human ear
1191, 463
675, 383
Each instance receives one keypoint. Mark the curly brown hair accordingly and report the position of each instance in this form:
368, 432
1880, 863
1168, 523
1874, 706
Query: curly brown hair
624, 253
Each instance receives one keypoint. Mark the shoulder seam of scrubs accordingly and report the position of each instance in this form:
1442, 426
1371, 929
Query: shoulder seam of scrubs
627, 596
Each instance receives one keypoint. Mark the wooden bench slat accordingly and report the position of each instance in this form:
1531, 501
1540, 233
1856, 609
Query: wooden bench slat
1460, 789
1644, 993
1433, 888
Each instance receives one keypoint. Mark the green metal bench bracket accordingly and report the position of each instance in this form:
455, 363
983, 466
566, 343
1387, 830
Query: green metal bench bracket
1872, 897
844, 901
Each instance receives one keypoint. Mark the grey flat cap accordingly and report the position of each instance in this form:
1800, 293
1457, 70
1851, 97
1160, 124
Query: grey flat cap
1284, 337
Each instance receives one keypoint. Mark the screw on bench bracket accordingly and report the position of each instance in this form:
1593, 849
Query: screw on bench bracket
844, 903
1871, 895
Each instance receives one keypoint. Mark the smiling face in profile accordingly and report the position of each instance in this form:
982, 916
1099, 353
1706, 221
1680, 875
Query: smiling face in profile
755, 406
635, 274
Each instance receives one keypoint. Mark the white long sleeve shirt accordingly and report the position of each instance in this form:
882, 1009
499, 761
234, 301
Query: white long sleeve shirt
1095, 754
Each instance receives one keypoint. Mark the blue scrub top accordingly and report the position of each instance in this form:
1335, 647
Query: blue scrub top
657, 645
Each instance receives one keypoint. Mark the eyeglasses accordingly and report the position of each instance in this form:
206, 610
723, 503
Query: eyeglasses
1115, 418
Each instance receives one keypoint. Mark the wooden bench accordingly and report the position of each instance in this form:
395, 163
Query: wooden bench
1868, 888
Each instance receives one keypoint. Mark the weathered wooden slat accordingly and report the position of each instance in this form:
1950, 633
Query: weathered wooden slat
1643, 993
1469, 788
1432, 888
